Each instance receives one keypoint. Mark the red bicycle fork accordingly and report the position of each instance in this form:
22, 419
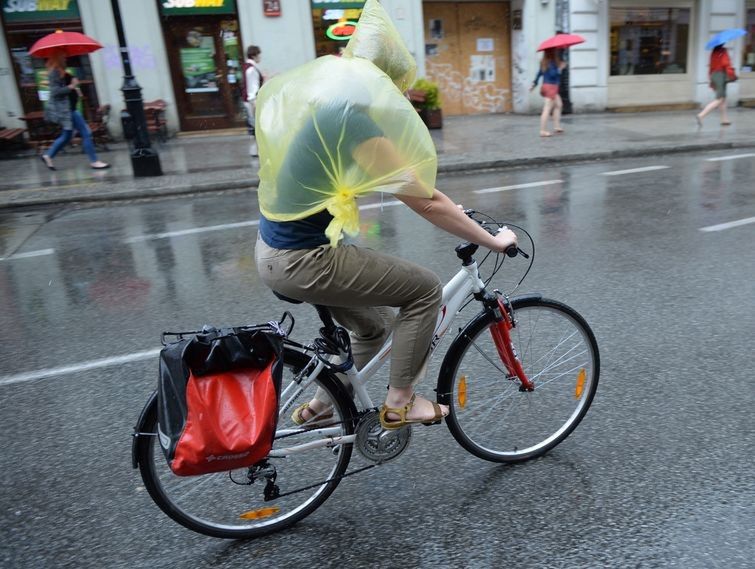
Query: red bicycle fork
502, 339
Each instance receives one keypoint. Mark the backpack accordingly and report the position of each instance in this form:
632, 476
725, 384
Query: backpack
244, 91
217, 397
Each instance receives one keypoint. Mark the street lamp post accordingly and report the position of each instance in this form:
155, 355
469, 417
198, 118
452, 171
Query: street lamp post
144, 160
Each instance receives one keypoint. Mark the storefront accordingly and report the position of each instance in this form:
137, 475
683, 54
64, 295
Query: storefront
25, 22
206, 56
333, 24
747, 69
651, 55
468, 54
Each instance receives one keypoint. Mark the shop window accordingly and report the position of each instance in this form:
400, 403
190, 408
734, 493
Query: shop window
333, 24
748, 58
25, 23
649, 41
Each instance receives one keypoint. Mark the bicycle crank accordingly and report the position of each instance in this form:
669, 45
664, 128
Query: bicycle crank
377, 444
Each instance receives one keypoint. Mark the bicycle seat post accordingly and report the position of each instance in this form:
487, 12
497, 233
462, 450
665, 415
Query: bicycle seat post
325, 317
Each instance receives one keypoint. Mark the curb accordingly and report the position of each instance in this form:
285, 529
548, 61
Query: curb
457, 167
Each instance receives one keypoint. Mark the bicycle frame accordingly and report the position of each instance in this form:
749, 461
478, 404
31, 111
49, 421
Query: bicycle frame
455, 292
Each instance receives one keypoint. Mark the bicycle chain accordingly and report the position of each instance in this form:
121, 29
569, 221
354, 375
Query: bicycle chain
278, 495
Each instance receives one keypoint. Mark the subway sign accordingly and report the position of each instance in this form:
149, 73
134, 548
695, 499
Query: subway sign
341, 30
37, 10
193, 7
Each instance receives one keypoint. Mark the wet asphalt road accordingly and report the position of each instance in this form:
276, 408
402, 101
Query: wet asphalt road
659, 474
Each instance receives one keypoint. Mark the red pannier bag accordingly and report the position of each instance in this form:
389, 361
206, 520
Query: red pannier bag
217, 398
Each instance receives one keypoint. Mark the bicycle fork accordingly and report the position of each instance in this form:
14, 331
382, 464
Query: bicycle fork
500, 330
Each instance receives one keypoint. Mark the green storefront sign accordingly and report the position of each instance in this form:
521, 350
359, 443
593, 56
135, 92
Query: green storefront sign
198, 67
336, 4
37, 10
194, 7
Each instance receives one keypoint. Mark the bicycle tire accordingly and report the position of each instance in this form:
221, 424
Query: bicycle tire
178, 497
489, 416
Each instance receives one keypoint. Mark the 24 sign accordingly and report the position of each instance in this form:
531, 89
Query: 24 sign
272, 7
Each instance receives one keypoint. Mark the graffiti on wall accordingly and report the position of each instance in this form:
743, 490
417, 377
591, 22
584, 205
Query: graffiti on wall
477, 96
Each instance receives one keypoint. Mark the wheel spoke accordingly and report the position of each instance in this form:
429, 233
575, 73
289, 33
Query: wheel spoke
214, 503
501, 423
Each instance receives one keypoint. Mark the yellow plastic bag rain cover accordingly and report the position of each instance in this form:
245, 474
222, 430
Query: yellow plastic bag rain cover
377, 40
335, 129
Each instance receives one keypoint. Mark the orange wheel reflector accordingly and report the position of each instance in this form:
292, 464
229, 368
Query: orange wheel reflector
579, 388
462, 396
259, 514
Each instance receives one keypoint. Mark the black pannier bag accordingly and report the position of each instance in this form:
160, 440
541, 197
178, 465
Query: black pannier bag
217, 397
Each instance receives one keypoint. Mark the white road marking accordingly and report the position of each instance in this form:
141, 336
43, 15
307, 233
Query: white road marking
728, 225
75, 368
635, 170
29, 254
517, 187
191, 231
224, 226
732, 157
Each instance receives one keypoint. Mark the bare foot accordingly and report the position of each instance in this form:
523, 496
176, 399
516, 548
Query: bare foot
725, 123
699, 120
545, 133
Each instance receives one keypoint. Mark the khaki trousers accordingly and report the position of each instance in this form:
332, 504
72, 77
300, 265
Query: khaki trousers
357, 284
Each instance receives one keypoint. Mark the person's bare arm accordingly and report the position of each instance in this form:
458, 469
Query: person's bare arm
442, 212
379, 156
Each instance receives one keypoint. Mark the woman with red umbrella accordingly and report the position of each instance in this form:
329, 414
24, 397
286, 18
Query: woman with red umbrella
64, 92
550, 70
60, 110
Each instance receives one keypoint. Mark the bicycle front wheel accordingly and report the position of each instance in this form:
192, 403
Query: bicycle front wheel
304, 460
489, 415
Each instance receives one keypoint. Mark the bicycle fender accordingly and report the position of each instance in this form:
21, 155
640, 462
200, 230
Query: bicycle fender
139, 427
524, 297
454, 350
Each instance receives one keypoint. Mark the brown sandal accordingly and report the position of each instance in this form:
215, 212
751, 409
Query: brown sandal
298, 415
403, 421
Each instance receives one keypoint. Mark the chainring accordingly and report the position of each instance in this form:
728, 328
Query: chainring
377, 444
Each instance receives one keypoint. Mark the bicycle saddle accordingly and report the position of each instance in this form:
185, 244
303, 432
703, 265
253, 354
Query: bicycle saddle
287, 298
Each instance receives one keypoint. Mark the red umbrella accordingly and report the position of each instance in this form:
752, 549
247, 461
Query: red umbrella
561, 40
70, 43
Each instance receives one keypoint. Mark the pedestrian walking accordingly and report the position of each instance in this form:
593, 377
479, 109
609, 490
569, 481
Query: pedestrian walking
60, 110
251, 85
719, 76
550, 70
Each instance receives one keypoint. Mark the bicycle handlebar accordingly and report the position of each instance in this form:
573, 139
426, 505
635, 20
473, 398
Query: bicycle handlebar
512, 251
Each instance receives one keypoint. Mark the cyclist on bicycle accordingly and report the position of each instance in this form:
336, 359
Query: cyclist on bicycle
338, 146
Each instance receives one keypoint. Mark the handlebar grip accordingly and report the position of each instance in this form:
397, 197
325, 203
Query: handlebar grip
513, 251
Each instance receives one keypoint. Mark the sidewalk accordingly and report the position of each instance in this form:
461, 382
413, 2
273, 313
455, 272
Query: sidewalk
213, 163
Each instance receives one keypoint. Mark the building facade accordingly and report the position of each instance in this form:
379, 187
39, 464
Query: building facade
190, 53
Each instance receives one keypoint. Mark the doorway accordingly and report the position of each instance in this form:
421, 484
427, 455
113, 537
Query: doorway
468, 54
205, 62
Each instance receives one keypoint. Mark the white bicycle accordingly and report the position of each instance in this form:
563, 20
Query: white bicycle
518, 378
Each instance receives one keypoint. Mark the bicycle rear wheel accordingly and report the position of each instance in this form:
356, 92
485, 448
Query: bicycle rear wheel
226, 504
489, 415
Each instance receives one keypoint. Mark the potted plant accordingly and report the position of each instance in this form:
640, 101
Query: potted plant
425, 97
